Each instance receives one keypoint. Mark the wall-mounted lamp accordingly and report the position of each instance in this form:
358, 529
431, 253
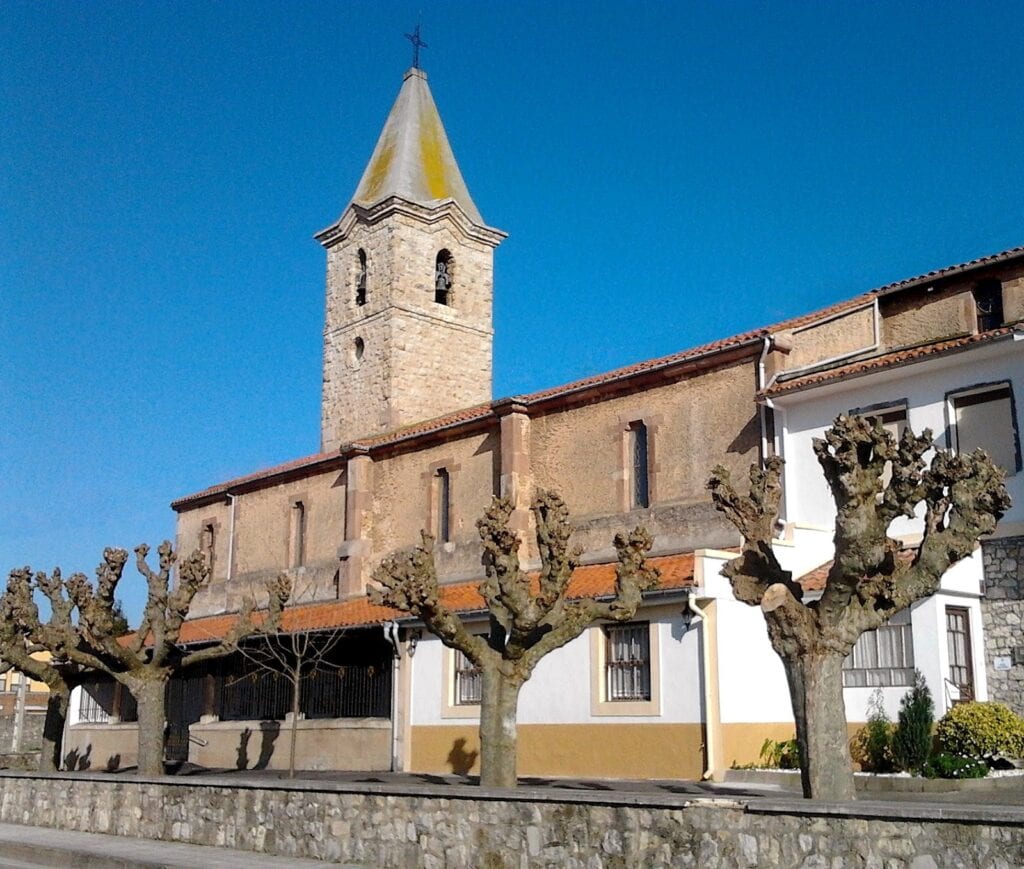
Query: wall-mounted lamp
412, 641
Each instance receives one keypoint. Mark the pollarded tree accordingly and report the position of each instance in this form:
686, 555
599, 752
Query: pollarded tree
526, 622
144, 661
19, 621
870, 579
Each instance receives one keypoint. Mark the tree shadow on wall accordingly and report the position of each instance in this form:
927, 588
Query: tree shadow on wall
242, 752
269, 731
75, 760
460, 760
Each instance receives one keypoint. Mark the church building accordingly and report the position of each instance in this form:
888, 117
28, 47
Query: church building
412, 438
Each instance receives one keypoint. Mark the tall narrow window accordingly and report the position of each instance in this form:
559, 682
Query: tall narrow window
958, 638
206, 544
298, 547
639, 478
468, 681
442, 504
988, 305
444, 267
361, 279
627, 661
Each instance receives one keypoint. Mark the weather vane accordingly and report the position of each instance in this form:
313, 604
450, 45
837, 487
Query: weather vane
417, 44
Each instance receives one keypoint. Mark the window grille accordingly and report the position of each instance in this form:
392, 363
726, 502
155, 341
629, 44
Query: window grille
628, 661
468, 681
883, 657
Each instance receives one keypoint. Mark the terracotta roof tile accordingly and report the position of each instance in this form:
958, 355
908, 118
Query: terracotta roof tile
221, 488
592, 580
888, 360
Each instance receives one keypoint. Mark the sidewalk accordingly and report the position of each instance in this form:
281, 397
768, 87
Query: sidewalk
22, 847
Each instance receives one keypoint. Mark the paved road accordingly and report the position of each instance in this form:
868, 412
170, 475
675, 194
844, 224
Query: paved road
22, 847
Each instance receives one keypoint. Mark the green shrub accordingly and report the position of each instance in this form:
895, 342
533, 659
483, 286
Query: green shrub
912, 738
873, 744
784, 754
943, 765
981, 730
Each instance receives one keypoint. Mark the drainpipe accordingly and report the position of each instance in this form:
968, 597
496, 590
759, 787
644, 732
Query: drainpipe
705, 654
391, 635
765, 350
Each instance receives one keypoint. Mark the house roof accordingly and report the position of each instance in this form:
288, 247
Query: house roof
476, 413
413, 159
888, 360
591, 580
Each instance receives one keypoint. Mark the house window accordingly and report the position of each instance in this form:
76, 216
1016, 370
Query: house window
298, 535
988, 305
442, 485
894, 421
639, 473
468, 681
883, 657
444, 268
361, 278
986, 419
207, 539
627, 662
958, 638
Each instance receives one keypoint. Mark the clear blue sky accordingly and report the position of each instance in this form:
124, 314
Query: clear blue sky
669, 174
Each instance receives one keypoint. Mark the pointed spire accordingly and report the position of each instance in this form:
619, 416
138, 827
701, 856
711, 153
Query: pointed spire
413, 159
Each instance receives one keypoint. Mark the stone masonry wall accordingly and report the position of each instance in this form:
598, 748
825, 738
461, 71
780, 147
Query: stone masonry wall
33, 736
1002, 612
462, 826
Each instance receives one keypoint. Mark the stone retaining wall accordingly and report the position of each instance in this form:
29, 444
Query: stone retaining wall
32, 738
1002, 611
460, 826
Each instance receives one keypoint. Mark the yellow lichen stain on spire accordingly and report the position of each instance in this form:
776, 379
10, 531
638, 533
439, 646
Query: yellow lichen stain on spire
434, 170
378, 172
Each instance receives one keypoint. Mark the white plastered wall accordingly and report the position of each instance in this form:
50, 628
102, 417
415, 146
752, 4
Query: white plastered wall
559, 691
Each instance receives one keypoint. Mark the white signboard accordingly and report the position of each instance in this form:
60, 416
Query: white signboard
1001, 662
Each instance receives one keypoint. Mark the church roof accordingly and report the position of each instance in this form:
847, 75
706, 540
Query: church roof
412, 159
589, 580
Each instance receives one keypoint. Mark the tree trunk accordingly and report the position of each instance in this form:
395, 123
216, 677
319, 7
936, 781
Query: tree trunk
50, 759
816, 689
150, 694
498, 708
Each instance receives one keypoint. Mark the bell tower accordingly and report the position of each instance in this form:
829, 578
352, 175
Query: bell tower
408, 333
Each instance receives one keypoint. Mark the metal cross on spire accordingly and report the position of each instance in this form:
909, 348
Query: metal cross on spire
417, 44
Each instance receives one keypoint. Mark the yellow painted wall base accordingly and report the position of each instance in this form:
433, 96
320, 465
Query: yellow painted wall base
639, 751
742, 742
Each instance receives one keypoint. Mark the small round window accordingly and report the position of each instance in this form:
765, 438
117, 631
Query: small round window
358, 349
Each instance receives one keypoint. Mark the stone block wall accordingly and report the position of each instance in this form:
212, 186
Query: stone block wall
461, 826
33, 736
1002, 611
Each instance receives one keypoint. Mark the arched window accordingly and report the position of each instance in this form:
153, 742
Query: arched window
444, 274
361, 279
988, 305
638, 466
